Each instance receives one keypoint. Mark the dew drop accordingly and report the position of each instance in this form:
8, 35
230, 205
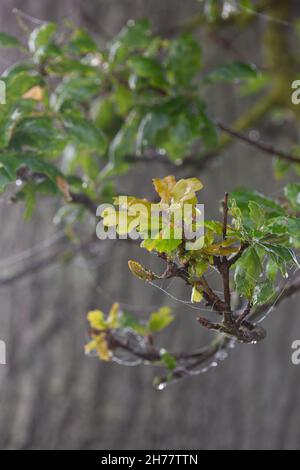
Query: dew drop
161, 386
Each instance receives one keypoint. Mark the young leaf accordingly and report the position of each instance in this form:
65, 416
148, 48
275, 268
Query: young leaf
161, 245
169, 360
96, 320
197, 296
140, 272
160, 320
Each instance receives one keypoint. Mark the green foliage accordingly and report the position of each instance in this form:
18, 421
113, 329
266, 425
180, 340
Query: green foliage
118, 320
78, 114
89, 108
268, 231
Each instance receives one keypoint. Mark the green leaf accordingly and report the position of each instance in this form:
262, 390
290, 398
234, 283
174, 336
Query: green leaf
256, 214
206, 127
76, 89
256, 84
169, 360
272, 270
11, 161
136, 35
281, 168
160, 320
21, 66
39, 134
237, 71
5, 179
30, 200
161, 245
180, 137
8, 41
184, 60
247, 272
148, 68
263, 293
63, 66
197, 267
85, 134
242, 198
18, 83
282, 255
81, 43
197, 296
124, 142
294, 231
151, 125
41, 36
123, 99
10, 116
292, 193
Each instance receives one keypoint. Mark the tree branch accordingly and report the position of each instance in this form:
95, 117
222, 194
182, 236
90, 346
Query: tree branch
266, 148
84, 200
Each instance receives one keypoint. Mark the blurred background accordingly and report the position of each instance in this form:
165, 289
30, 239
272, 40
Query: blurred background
54, 397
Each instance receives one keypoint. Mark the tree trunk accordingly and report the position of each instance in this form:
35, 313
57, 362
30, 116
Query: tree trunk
52, 396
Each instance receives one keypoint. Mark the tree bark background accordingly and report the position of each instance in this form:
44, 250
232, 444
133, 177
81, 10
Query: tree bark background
51, 395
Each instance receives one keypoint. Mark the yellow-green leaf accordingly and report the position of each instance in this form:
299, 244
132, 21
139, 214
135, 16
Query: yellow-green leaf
97, 320
197, 296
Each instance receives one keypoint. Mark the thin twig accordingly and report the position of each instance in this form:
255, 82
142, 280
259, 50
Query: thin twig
266, 148
25, 16
245, 313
